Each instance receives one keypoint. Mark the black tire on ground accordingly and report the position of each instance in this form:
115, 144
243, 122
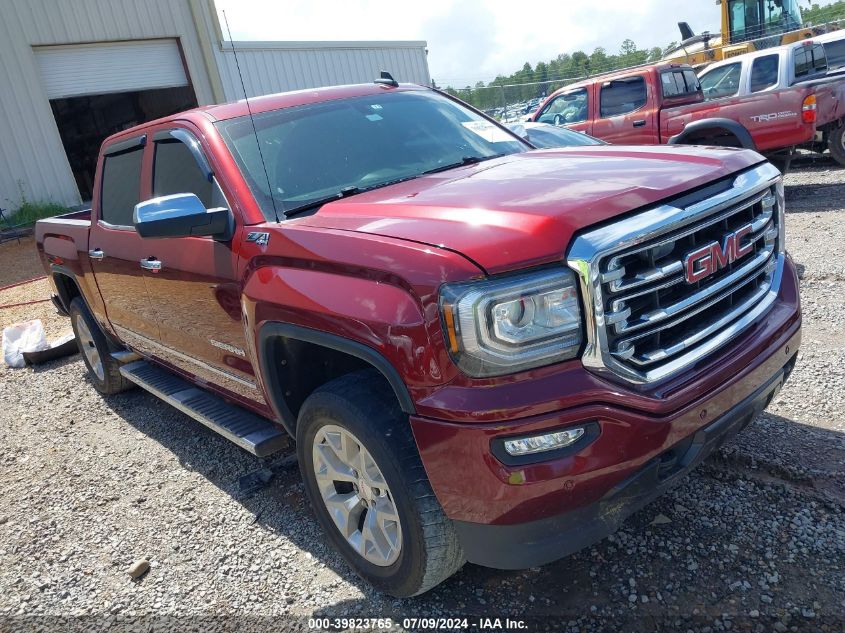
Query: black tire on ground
364, 404
836, 144
111, 381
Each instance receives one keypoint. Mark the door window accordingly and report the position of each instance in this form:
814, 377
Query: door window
572, 107
121, 188
835, 53
721, 82
764, 72
176, 171
623, 95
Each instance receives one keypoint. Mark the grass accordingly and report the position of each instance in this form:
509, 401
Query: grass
30, 212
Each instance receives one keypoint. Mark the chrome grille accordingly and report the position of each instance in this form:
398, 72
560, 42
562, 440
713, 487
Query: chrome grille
645, 319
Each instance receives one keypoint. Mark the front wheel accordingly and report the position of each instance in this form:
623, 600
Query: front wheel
368, 488
836, 144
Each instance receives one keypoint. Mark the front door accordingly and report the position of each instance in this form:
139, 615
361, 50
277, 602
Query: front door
195, 294
117, 251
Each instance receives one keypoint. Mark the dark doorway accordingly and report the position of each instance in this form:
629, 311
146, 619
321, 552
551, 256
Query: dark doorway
85, 121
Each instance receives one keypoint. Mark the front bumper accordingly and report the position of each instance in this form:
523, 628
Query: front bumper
538, 542
547, 509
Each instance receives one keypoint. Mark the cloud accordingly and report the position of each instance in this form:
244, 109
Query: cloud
471, 40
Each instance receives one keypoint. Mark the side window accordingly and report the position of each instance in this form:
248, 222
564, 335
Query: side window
764, 72
721, 82
676, 83
835, 53
622, 96
176, 171
121, 189
564, 109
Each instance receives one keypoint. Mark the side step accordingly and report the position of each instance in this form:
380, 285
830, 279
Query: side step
249, 431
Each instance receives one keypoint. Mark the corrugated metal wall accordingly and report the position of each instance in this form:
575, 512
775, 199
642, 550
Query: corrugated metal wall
281, 66
32, 159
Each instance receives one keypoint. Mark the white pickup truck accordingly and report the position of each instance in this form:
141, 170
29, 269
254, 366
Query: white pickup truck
782, 70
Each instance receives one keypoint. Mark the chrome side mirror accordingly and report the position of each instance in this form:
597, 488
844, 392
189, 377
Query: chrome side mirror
181, 215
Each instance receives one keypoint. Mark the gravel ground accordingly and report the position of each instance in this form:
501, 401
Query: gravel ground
753, 540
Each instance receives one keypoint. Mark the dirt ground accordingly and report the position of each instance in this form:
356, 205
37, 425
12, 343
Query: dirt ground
19, 261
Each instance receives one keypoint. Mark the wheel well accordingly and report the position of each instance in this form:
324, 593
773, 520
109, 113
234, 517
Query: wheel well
714, 136
67, 288
294, 366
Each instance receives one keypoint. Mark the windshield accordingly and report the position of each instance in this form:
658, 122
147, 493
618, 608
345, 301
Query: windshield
350, 145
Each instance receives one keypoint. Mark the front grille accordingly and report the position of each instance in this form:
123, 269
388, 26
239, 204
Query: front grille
646, 318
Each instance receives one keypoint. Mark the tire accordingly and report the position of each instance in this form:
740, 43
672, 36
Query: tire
103, 370
836, 144
362, 406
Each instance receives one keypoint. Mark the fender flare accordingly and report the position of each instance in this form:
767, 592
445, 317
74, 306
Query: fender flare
737, 129
56, 270
270, 372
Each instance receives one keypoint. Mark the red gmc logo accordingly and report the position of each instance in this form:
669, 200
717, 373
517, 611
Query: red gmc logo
714, 257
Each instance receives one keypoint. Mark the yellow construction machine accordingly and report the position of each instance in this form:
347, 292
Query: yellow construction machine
747, 25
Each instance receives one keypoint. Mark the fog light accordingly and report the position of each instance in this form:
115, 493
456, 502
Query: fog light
542, 443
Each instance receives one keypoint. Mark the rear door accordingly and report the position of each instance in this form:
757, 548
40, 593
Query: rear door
116, 250
195, 294
626, 113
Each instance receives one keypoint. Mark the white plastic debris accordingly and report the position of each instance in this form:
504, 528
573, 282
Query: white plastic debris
23, 337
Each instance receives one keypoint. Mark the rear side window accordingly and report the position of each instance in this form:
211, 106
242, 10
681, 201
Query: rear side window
764, 72
176, 171
721, 82
622, 96
676, 83
121, 187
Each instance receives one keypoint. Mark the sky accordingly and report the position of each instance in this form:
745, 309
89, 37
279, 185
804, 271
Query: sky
472, 40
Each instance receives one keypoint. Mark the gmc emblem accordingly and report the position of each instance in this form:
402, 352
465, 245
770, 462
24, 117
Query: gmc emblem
714, 257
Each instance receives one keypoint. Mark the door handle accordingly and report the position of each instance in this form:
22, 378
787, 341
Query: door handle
639, 123
96, 253
153, 265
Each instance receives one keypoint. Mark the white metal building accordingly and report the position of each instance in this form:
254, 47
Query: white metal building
74, 71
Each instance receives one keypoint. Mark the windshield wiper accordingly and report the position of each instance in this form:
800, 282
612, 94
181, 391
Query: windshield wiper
343, 193
466, 160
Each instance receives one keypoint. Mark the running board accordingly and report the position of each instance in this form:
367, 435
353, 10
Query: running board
257, 435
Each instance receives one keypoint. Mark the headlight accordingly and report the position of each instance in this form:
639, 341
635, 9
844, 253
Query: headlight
506, 325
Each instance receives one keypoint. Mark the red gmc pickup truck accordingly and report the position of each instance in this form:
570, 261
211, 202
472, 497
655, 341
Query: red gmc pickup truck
484, 353
664, 103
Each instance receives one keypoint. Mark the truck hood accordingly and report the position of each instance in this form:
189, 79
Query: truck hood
523, 209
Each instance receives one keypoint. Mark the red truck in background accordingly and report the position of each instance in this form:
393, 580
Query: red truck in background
664, 103
484, 353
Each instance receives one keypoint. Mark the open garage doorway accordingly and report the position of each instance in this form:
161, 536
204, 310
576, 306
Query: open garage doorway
101, 88
85, 121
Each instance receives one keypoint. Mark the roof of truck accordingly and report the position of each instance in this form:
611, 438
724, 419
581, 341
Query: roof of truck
266, 103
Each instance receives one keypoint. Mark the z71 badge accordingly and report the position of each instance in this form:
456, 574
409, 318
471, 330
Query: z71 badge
262, 239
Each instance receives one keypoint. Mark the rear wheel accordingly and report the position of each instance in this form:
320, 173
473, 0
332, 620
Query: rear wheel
836, 144
96, 351
368, 488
